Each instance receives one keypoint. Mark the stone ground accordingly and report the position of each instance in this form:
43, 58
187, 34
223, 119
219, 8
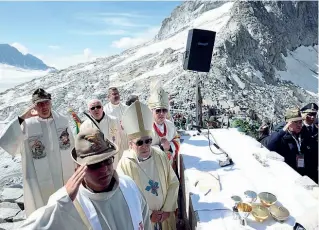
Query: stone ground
12, 212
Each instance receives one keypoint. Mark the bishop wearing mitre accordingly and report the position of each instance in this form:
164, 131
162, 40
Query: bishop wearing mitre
164, 132
149, 167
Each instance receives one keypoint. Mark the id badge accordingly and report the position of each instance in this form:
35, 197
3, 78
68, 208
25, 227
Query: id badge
300, 161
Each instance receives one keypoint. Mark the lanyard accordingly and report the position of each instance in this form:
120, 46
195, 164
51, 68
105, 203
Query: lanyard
298, 142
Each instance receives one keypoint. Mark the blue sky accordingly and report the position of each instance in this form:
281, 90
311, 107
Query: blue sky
66, 33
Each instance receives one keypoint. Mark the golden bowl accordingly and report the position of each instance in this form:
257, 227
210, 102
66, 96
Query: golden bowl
279, 213
260, 212
267, 199
244, 209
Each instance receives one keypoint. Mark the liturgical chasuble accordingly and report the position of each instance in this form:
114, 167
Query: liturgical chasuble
162, 184
111, 128
122, 208
117, 111
45, 146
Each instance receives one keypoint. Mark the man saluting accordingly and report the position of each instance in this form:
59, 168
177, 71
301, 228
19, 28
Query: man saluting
95, 197
44, 139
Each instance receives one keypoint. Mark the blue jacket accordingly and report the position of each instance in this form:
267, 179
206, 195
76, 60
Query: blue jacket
284, 144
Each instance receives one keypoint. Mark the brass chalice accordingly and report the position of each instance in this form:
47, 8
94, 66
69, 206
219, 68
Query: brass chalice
244, 209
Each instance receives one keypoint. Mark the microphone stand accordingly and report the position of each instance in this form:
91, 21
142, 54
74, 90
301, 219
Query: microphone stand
222, 163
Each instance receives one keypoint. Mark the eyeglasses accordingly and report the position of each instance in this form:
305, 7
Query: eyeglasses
106, 162
141, 142
96, 107
312, 114
157, 111
43, 103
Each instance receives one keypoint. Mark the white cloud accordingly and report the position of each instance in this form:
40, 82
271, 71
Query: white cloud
125, 14
99, 32
20, 47
54, 47
139, 38
122, 21
87, 53
62, 62
127, 42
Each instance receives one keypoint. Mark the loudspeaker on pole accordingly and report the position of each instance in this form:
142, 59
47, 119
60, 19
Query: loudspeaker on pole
199, 50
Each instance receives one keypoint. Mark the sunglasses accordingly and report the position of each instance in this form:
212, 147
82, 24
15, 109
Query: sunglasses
96, 107
141, 142
106, 162
312, 114
157, 111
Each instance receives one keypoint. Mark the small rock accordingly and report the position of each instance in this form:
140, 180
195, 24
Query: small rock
9, 205
20, 202
20, 216
11, 194
16, 186
6, 166
8, 211
10, 225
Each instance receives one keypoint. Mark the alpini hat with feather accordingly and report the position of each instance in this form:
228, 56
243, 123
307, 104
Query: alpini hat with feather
293, 114
40, 95
92, 147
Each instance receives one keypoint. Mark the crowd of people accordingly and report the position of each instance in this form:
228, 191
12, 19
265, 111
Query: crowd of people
118, 172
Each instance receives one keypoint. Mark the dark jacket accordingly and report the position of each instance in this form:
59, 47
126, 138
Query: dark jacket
283, 143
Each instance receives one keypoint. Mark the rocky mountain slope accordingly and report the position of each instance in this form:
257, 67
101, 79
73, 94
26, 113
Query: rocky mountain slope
254, 40
9, 55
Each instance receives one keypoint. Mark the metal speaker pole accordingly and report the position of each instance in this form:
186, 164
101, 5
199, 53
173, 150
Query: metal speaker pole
197, 101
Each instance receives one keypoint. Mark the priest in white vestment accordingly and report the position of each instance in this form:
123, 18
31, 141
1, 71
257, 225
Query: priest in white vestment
44, 139
165, 134
95, 197
109, 125
149, 167
116, 108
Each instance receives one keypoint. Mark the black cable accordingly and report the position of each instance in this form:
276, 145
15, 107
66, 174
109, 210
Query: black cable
216, 146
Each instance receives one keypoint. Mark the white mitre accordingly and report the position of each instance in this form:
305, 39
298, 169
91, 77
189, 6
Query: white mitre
158, 97
137, 121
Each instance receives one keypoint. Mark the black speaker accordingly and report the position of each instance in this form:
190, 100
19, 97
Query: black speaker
199, 50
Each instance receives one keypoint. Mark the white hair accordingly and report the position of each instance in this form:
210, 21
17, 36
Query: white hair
91, 101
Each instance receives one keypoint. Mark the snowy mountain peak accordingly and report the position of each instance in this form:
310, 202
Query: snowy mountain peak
183, 15
10, 55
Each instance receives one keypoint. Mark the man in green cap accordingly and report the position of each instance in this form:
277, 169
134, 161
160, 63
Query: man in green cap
293, 143
95, 197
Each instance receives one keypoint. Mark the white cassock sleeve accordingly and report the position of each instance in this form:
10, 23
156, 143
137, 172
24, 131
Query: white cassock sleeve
12, 137
60, 213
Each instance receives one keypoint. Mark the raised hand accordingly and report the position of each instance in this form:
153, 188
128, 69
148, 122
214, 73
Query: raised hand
73, 184
287, 125
29, 112
165, 144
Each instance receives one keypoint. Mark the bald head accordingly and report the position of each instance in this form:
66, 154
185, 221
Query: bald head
95, 108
